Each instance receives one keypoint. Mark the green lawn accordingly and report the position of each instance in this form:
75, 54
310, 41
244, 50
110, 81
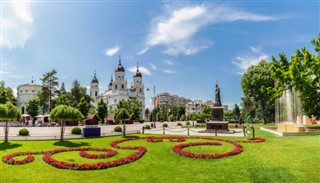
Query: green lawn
279, 159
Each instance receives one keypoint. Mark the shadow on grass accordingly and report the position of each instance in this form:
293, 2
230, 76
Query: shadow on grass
5, 146
131, 136
71, 144
269, 173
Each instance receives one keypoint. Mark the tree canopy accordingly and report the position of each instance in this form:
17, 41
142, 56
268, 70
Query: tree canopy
302, 74
33, 106
48, 90
102, 110
258, 83
6, 94
133, 106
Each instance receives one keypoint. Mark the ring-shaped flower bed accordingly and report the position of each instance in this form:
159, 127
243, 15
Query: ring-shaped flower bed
110, 153
178, 149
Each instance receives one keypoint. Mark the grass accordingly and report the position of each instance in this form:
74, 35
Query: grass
279, 159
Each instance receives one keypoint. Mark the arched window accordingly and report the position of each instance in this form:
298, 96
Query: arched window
140, 90
96, 94
122, 86
116, 86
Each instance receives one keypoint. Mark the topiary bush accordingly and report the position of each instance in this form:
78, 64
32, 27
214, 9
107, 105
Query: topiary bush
118, 129
187, 123
179, 124
147, 127
24, 132
164, 125
76, 131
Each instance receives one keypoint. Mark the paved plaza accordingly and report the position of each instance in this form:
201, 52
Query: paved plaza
47, 133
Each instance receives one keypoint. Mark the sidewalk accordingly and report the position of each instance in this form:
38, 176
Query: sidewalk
53, 133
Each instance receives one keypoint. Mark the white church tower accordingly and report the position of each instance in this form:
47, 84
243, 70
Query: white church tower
94, 88
120, 83
137, 82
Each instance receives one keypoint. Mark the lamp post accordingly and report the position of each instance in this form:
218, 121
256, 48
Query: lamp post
154, 104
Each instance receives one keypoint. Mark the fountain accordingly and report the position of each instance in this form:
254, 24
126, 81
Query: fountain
288, 113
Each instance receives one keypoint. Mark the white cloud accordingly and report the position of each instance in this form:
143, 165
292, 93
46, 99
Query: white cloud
16, 23
244, 61
176, 27
112, 51
153, 66
143, 70
143, 51
168, 62
169, 71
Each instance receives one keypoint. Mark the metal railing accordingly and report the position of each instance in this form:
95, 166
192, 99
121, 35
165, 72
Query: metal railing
57, 136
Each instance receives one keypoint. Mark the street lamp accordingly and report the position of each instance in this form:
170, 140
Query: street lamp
154, 104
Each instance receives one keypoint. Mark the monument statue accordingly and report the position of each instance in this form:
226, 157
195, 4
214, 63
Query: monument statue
217, 95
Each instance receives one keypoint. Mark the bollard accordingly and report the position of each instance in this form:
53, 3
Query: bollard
215, 130
252, 132
143, 130
164, 131
244, 132
188, 131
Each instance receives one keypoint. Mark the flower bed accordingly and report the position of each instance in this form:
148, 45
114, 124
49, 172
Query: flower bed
178, 149
140, 151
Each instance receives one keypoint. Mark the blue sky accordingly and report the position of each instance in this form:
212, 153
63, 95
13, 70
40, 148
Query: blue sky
182, 47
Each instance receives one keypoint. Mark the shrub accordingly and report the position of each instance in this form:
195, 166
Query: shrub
24, 132
118, 129
179, 124
76, 131
147, 126
187, 123
164, 125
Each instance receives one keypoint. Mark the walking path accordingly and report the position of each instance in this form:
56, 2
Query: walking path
51, 133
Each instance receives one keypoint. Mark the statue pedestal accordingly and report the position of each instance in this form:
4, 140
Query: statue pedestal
217, 113
217, 125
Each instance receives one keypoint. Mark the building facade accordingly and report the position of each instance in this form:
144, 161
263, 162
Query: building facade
118, 89
165, 98
197, 106
25, 92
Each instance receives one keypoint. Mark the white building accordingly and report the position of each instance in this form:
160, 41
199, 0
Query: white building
197, 106
118, 89
25, 92
166, 98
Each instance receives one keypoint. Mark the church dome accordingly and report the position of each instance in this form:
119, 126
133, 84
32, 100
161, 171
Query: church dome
94, 80
120, 68
138, 73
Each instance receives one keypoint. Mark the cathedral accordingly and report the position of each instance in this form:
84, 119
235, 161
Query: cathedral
118, 89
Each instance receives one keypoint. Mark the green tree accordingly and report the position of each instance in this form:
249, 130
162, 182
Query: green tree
63, 113
249, 108
64, 99
122, 114
48, 91
302, 74
133, 106
102, 110
236, 112
206, 110
171, 117
183, 117
8, 112
146, 113
6, 94
83, 107
62, 90
78, 92
33, 106
258, 83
